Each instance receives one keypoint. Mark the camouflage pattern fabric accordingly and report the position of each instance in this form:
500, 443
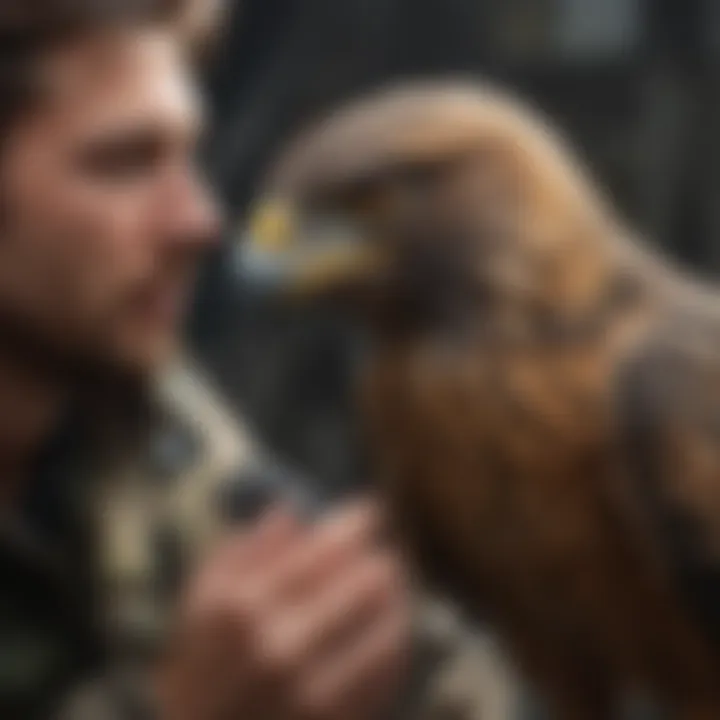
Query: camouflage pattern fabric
158, 515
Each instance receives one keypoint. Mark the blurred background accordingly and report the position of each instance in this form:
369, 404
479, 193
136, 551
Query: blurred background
633, 82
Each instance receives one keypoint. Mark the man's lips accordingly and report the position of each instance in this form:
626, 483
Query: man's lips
163, 305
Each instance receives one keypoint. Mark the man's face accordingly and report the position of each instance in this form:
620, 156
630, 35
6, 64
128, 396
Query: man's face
102, 217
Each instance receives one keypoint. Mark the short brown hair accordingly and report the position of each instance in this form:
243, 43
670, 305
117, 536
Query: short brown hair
30, 29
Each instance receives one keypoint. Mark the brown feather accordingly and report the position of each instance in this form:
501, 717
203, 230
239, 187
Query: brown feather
497, 426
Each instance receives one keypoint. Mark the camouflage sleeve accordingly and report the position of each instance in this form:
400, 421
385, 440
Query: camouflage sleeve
458, 673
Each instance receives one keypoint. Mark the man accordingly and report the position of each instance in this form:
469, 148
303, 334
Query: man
103, 223
123, 594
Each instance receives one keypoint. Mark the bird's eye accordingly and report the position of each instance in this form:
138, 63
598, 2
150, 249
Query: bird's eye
409, 189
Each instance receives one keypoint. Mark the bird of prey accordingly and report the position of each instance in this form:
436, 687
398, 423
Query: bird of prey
541, 389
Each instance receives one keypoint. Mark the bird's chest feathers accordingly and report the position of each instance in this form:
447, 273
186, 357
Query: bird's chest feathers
498, 453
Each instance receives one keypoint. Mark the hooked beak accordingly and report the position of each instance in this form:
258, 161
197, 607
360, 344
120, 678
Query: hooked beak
279, 256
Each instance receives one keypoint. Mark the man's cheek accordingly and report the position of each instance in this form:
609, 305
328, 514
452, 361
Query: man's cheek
112, 259
40, 281
100, 278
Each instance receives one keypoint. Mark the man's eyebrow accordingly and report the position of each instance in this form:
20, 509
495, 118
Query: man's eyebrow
146, 131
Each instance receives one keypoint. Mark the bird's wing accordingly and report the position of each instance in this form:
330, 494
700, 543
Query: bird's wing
670, 432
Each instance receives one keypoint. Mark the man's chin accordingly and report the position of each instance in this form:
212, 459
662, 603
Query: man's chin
146, 358
137, 353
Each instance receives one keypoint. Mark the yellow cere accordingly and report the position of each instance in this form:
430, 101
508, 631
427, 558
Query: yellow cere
335, 265
272, 226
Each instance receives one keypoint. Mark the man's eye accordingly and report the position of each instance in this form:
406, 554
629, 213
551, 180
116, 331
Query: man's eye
122, 161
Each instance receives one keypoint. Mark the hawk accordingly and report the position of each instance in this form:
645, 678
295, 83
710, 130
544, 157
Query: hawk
541, 390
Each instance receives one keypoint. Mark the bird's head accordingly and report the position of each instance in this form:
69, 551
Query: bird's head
425, 197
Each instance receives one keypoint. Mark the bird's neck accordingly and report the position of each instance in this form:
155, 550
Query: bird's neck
587, 297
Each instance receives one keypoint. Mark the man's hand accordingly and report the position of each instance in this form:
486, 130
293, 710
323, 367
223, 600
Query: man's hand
291, 623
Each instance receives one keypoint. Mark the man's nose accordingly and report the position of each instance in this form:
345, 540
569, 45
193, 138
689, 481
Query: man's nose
192, 213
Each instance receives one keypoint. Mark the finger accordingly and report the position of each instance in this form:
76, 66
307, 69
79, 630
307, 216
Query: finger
264, 594
338, 614
364, 677
277, 530
253, 547
205, 655
322, 554
233, 561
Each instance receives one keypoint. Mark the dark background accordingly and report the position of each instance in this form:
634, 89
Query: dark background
634, 83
